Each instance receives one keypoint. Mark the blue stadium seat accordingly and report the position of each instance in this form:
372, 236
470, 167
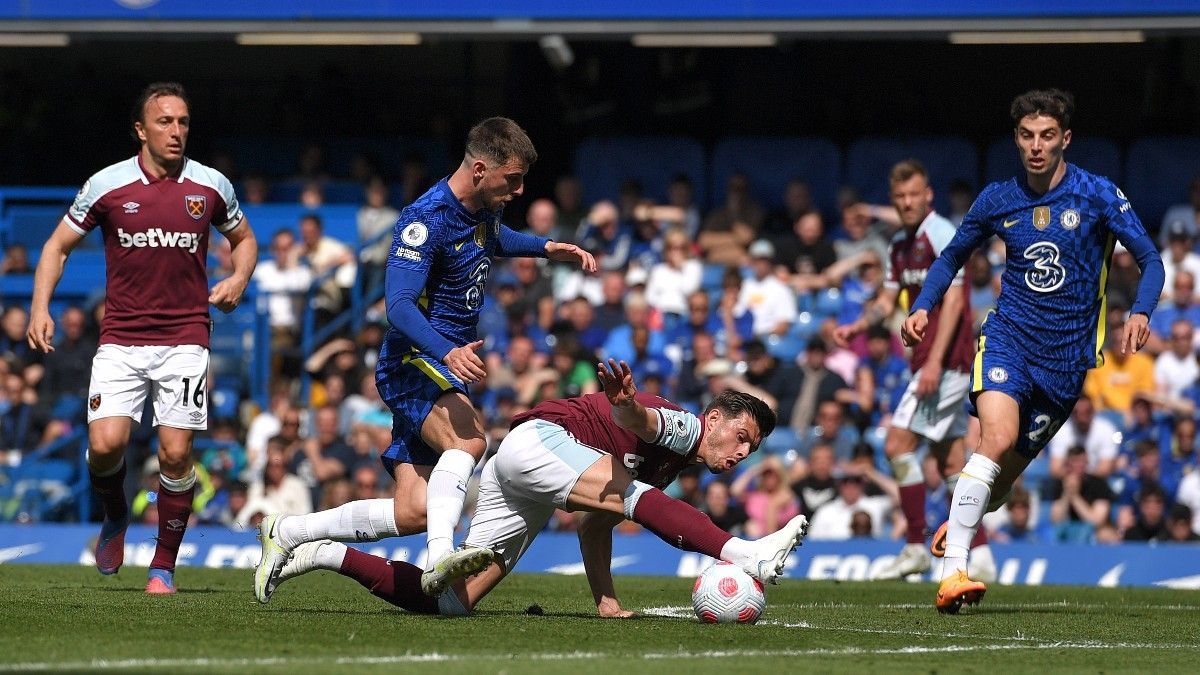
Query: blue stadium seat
829, 303
31, 225
780, 441
335, 192
340, 220
770, 162
601, 164
1157, 173
710, 278
869, 160
1098, 155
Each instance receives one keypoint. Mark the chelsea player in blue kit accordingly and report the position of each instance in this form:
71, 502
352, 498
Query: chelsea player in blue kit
1059, 227
440, 260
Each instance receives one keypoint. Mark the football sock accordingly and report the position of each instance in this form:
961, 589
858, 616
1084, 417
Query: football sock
971, 497
981, 538
393, 581
908, 475
330, 555
362, 520
679, 524
110, 488
444, 502
174, 509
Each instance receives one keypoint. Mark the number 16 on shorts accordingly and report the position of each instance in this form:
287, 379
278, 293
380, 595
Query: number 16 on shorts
175, 377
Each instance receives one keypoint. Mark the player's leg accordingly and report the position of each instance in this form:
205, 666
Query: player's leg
116, 395
607, 486
180, 394
900, 446
951, 456
453, 429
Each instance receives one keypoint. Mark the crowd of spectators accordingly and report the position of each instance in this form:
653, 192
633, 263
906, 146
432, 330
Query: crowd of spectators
696, 301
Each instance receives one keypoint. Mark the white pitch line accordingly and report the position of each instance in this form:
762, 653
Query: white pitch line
434, 657
679, 612
1003, 605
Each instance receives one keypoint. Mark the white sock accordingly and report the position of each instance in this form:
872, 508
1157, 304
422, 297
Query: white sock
907, 469
952, 482
971, 497
444, 502
179, 484
739, 552
362, 520
329, 556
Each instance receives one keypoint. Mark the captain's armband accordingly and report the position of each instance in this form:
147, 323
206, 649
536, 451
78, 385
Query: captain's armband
678, 430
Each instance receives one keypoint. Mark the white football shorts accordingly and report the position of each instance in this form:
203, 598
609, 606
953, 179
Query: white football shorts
937, 417
532, 474
175, 376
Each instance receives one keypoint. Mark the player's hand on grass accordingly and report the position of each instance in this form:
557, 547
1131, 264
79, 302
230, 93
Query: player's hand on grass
41, 332
617, 382
1135, 334
226, 295
609, 608
569, 253
913, 329
929, 379
465, 363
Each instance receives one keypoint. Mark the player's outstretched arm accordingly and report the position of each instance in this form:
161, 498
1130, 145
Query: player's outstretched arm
49, 271
595, 544
570, 253
227, 293
616, 379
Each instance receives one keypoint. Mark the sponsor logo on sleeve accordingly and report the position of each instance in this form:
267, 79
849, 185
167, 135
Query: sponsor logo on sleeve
414, 234
196, 205
408, 254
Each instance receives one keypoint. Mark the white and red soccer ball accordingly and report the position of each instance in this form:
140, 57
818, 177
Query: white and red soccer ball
726, 594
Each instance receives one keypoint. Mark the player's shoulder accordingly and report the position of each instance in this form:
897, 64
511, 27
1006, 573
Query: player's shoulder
205, 175
997, 195
112, 177
652, 401
1097, 186
937, 227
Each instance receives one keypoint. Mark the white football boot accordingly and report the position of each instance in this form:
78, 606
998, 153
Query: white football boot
274, 556
773, 550
458, 564
912, 559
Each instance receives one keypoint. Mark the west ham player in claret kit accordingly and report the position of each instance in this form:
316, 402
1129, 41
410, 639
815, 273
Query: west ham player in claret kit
154, 211
1059, 225
606, 455
933, 407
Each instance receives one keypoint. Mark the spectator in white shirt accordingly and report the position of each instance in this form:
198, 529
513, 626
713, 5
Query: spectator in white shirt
676, 277
770, 301
1189, 495
1175, 369
832, 519
1178, 255
284, 281
285, 492
1096, 434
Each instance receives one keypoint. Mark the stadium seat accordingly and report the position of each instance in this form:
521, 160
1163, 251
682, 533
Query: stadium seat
829, 303
869, 160
601, 164
1157, 173
710, 278
770, 162
335, 191
340, 221
1098, 155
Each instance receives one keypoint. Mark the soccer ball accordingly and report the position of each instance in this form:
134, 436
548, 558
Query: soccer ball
726, 594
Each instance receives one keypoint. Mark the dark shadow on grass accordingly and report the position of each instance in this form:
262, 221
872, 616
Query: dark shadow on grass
326, 610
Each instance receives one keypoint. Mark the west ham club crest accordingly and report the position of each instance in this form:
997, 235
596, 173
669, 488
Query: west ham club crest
196, 205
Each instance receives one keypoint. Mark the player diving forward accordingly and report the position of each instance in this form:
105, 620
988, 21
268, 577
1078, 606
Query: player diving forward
932, 407
440, 259
1059, 227
568, 453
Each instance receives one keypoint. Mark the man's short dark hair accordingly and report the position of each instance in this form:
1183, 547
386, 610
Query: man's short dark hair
732, 403
878, 332
906, 169
502, 140
315, 218
1054, 103
152, 91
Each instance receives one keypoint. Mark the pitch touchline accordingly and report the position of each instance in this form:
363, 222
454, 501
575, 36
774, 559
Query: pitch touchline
434, 657
1002, 605
686, 612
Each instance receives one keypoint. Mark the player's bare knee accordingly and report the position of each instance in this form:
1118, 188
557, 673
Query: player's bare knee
410, 517
105, 442
994, 443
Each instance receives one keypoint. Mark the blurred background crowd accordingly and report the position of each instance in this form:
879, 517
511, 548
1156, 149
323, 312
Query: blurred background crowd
742, 294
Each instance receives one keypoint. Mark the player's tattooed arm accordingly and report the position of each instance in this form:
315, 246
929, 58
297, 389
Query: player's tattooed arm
595, 545
616, 379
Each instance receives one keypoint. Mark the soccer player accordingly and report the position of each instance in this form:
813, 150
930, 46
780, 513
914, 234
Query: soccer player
1059, 226
441, 256
607, 455
933, 406
154, 211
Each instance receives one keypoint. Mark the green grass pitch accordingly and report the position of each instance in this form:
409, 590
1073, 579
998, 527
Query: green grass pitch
66, 618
